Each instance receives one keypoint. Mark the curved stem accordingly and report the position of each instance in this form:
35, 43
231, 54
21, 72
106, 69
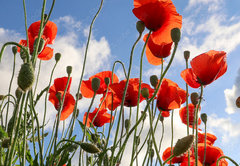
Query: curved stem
226, 157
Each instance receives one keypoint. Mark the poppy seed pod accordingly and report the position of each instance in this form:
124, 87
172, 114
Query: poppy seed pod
69, 70
95, 84
89, 147
107, 80
183, 145
186, 55
175, 35
57, 56
145, 92
194, 98
14, 50
154, 80
26, 76
140, 26
204, 118
238, 102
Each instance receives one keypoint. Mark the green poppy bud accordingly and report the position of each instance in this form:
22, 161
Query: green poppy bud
140, 26
194, 98
89, 147
176, 35
204, 118
145, 92
154, 80
69, 70
107, 80
79, 96
183, 145
18, 92
95, 84
57, 56
26, 76
186, 54
14, 50
127, 124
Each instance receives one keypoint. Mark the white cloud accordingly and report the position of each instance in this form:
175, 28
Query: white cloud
211, 5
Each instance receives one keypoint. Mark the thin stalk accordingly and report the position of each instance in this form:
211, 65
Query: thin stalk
226, 157
160, 144
38, 74
25, 128
50, 12
205, 144
172, 134
26, 28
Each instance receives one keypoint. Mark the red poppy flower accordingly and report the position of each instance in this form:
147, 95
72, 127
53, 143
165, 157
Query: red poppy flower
206, 68
86, 87
192, 162
210, 138
212, 154
165, 113
183, 114
101, 118
69, 102
167, 154
170, 96
131, 97
49, 35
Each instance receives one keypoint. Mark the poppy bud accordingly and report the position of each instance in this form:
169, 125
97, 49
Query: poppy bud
161, 118
6, 143
95, 84
186, 55
69, 70
107, 80
23, 54
127, 124
183, 145
26, 76
89, 147
2, 97
194, 98
57, 56
204, 118
18, 92
145, 92
238, 102
14, 50
137, 140
140, 26
3, 133
176, 35
40, 46
79, 96
154, 80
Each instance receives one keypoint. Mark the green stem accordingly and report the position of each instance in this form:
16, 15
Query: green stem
38, 74
222, 157
170, 158
26, 28
172, 134
205, 144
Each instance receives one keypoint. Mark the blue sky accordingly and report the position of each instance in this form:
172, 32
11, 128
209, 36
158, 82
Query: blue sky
207, 24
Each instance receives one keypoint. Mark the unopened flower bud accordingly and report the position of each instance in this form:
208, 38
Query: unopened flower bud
183, 145
145, 92
69, 70
26, 76
18, 92
95, 84
238, 102
154, 80
186, 54
107, 80
194, 98
127, 124
2, 97
79, 96
23, 54
176, 35
204, 118
89, 147
6, 143
140, 26
57, 56
14, 50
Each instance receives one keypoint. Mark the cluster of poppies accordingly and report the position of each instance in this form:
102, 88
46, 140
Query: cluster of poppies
212, 153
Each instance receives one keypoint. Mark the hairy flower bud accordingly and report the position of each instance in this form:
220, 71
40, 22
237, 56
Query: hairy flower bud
18, 92
95, 84
140, 26
107, 80
183, 145
26, 76
194, 98
14, 50
89, 147
186, 55
204, 118
145, 92
57, 56
154, 80
176, 35
69, 70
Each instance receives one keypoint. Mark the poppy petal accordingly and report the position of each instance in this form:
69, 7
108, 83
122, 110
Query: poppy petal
46, 54
190, 78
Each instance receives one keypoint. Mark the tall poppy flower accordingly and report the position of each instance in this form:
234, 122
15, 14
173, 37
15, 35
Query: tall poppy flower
212, 154
210, 139
86, 87
206, 68
101, 118
183, 114
114, 98
48, 36
170, 96
69, 102
161, 17
177, 159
